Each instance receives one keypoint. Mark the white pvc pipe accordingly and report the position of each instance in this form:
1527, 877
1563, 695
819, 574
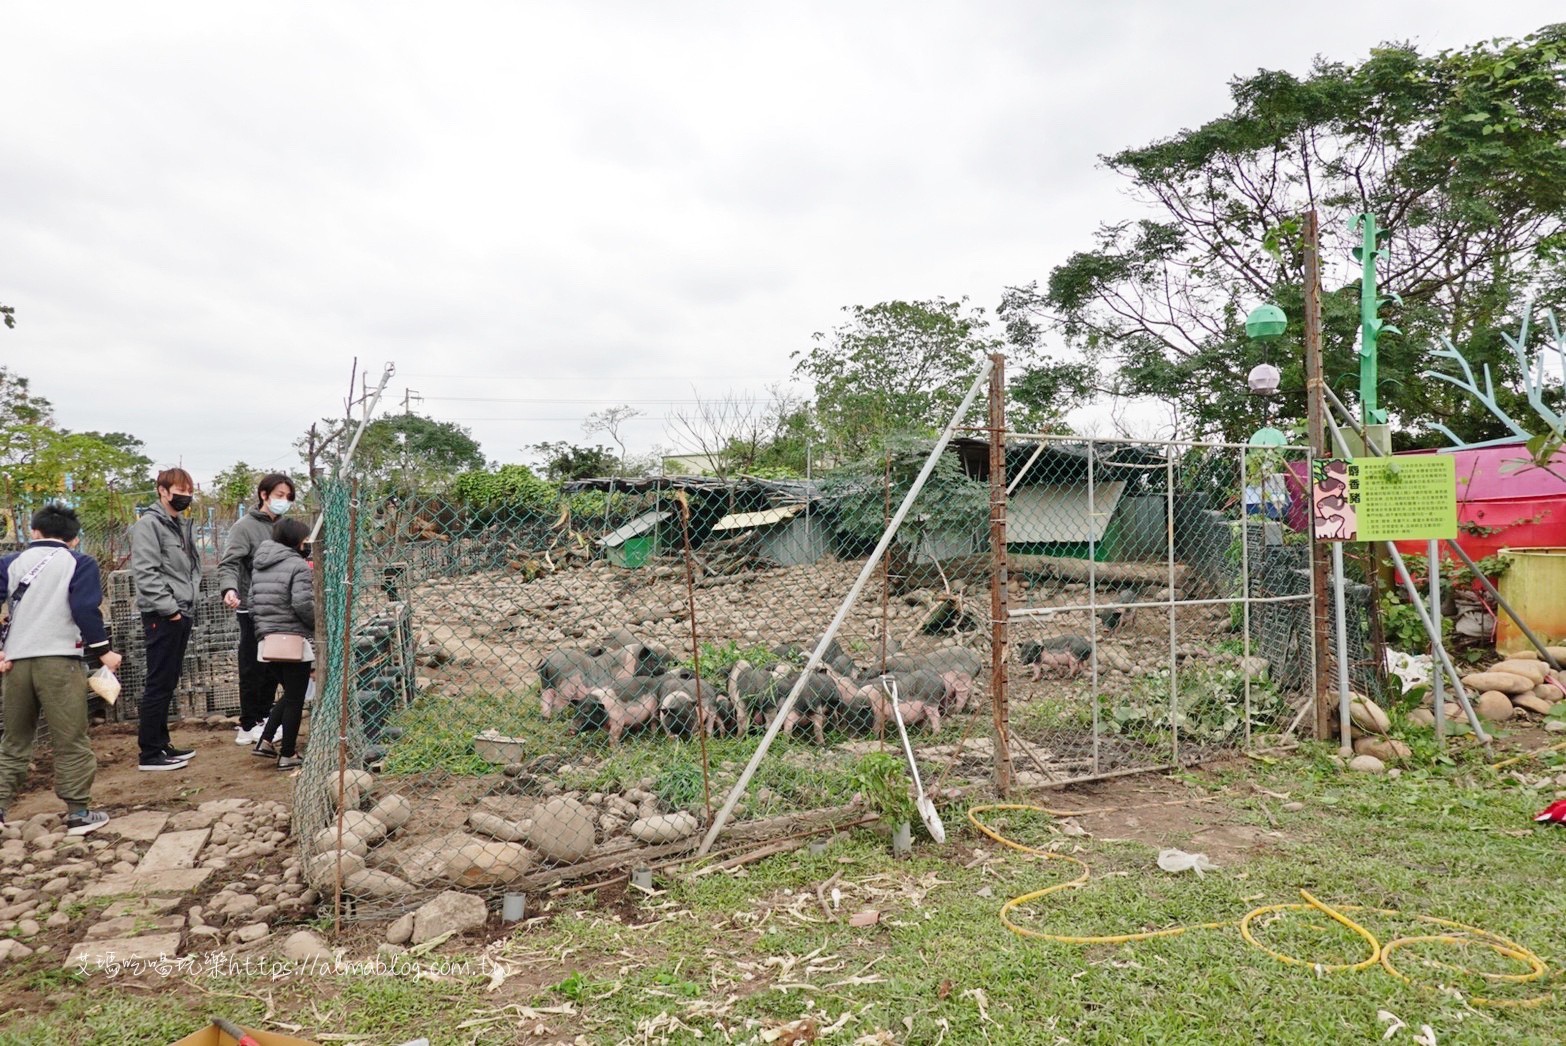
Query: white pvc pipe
787, 706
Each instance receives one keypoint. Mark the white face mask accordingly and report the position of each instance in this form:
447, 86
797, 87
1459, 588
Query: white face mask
279, 506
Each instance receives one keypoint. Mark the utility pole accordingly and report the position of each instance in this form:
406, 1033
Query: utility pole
1315, 415
408, 397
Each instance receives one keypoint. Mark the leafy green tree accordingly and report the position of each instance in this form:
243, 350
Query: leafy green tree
893, 367
562, 460
949, 504
8, 315
1459, 156
405, 451
102, 474
235, 485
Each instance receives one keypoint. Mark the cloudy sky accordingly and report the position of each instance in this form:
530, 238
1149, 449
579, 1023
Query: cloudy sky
537, 211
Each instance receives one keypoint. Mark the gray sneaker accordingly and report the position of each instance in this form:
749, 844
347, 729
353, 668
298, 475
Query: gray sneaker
80, 822
289, 762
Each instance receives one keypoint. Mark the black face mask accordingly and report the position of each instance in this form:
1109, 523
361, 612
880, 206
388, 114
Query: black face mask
179, 502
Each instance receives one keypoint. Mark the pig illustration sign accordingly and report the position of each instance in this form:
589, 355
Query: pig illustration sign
1384, 499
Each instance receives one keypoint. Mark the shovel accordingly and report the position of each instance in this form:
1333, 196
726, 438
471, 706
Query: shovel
927, 811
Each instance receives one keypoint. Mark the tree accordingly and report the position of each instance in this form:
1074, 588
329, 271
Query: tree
562, 461
740, 433
1458, 156
8, 315
893, 367
610, 421
235, 485
409, 451
101, 474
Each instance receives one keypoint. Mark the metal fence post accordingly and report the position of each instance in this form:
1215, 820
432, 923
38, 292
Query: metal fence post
999, 606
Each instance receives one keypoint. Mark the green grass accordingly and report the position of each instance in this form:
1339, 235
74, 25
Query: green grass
751, 947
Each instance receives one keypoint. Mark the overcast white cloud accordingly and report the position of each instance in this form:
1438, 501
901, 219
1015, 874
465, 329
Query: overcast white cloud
206, 211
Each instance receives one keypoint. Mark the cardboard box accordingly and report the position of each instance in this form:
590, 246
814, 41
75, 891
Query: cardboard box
211, 1036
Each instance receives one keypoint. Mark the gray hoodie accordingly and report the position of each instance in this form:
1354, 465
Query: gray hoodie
165, 563
239, 553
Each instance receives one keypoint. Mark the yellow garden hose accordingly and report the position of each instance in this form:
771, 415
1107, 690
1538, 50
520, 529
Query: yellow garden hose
1379, 954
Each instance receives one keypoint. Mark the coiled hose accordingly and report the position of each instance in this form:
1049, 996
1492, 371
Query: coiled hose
1379, 954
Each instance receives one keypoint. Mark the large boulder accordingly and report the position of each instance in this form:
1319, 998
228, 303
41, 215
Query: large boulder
1506, 682
1367, 715
1494, 706
450, 911
664, 828
393, 811
488, 864
563, 830
371, 882
1386, 749
371, 829
322, 870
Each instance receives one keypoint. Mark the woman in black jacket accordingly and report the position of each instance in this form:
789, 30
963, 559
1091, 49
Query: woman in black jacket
282, 604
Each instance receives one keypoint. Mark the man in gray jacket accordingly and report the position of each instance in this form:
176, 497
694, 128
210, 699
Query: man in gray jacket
167, 569
257, 686
54, 595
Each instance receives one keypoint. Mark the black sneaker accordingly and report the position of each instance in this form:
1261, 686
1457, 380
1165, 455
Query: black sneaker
80, 822
162, 762
183, 754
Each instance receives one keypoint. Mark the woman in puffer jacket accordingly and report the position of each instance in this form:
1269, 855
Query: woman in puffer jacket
282, 602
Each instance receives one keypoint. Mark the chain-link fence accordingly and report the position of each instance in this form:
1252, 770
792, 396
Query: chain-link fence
1160, 602
542, 687
537, 691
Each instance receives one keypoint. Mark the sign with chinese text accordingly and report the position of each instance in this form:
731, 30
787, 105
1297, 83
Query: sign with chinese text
1406, 498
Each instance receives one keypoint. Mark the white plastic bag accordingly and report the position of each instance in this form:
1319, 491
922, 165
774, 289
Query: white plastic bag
1180, 861
309, 698
105, 684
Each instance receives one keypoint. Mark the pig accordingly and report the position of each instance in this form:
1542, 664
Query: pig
823, 693
956, 665
920, 695
754, 693
601, 708
1067, 652
566, 674
678, 715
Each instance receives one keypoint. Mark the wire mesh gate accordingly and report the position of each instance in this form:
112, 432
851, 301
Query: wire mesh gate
1160, 602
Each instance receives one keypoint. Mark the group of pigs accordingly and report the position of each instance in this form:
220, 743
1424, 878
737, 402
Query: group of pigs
622, 685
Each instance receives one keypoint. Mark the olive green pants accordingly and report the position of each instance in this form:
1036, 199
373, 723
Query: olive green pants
56, 687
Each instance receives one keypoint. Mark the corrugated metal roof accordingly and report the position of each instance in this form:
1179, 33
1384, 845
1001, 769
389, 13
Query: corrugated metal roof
746, 520
638, 526
1059, 512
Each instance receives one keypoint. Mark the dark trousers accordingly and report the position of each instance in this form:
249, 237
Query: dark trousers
166, 642
289, 710
257, 684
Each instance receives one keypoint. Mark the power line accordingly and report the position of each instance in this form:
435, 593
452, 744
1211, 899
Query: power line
592, 378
